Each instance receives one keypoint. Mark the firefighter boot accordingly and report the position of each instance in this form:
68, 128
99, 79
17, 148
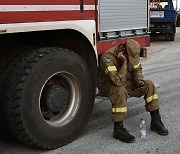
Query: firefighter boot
156, 123
121, 133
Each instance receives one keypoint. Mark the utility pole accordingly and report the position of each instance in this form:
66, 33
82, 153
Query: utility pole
176, 5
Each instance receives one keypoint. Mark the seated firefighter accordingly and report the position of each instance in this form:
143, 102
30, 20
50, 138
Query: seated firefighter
120, 77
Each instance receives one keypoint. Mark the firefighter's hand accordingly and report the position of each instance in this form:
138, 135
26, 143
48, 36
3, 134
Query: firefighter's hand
140, 85
121, 57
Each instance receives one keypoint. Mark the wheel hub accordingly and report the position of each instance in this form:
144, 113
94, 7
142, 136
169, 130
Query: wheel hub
56, 98
59, 99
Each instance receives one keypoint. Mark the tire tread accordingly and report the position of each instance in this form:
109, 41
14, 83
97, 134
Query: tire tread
13, 93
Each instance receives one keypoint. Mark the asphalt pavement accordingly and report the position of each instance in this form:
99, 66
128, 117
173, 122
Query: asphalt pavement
163, 67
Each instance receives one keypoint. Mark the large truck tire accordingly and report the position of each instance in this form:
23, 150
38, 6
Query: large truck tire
2, 71
48, 97
172, 36
169, 36
7, 59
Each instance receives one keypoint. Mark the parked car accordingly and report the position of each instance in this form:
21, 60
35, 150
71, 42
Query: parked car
178, 20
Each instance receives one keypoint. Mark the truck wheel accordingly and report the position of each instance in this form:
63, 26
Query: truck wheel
172, 36
167, 38
2, 70
6, 61
48, 97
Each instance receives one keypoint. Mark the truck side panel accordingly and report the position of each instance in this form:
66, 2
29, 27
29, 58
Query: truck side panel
46, 2
122, 20
45, 10
144, 41
115, 15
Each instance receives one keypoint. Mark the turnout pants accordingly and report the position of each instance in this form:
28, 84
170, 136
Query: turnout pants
119, 95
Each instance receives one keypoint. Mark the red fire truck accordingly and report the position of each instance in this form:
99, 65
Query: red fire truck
49, 53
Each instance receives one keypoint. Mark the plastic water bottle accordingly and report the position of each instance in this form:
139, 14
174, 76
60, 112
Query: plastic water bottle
142, 129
